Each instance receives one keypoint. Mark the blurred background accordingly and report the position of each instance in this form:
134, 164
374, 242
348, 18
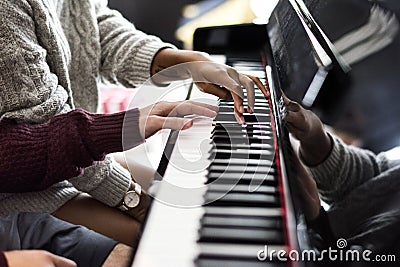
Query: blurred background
175, 21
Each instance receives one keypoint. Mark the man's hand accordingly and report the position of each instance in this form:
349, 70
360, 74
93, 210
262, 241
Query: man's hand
170, 115
36, 258
211, 77
304, 125
308, 190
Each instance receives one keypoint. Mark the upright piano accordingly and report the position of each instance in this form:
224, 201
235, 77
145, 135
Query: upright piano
225, 194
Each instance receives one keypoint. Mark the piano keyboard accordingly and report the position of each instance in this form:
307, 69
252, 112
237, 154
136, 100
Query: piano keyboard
220, 200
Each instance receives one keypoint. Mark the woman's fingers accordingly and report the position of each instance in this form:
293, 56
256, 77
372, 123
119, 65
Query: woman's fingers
153, 124
216, 90
182, 108
174, 123
193, 108
260, 85
169, 115
249, 85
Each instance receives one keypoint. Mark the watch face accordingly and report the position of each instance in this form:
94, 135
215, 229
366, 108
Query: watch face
131, 199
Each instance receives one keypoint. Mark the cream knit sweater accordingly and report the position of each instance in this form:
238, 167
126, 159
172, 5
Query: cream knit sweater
52, 55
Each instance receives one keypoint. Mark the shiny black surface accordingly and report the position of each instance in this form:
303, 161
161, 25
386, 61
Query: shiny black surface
368, 107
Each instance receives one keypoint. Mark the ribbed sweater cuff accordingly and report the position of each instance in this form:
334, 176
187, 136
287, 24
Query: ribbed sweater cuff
145, 56
115, 132
3, 260
324, 172
112, 189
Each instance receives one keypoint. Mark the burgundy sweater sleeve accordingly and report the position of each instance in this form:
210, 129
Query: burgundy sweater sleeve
33, 157
3, 260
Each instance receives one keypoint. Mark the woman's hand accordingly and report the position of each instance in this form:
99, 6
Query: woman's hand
36, 258
304, 125
211, 77
170, 115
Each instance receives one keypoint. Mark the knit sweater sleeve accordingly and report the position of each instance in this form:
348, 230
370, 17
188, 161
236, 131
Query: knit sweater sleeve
30, 90
346, 168
126, 53
35, 156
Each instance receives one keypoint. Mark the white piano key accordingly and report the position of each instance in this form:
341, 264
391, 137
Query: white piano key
173, 223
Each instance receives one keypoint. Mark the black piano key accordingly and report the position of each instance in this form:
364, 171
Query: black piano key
221, 155
257, 97
241, 178
230, 122
244, 154
242, 221
260, 103
237, 235
241, 188
241, 199
240, 169
271, 176
242, 140
240, 136
243, 211
245, 133
230, 181
230, 109
260, 109
236, 161
234, 251
243, 146
256, 117
237, 127
255, 146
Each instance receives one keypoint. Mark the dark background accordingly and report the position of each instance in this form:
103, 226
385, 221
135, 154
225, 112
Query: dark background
158, 17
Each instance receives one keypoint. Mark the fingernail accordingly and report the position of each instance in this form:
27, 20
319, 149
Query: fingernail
187, 125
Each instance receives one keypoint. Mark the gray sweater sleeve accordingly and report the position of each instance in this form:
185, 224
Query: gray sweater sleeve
30, 91
126, 53
346, 168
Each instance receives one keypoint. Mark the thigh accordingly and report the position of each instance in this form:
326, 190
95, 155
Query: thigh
9, 235
41, 231
111, 222
45, 232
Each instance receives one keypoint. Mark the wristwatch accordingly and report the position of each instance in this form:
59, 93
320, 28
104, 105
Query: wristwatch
131, 198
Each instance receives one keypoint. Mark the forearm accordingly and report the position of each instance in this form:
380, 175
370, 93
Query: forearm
345, 168
316, 148
48, 153
167, 57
